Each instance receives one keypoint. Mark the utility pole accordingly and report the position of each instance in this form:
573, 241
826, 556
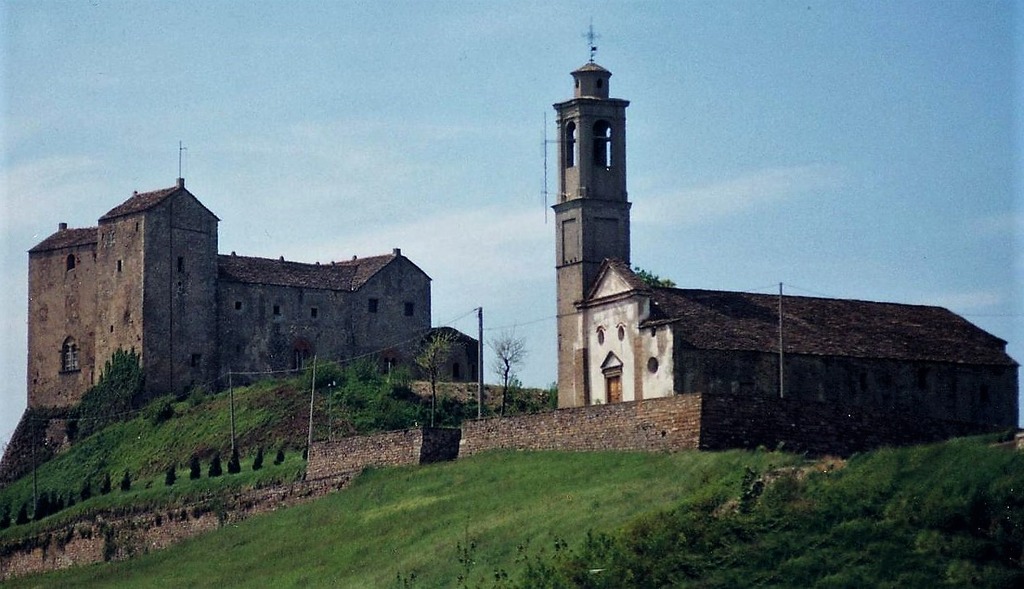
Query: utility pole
782, 388
231, 397
312, 390
480, 362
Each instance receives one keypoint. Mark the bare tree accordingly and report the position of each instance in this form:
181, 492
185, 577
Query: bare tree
509, 352
432, 359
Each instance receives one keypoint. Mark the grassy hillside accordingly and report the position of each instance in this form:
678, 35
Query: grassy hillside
943, 515
269, 415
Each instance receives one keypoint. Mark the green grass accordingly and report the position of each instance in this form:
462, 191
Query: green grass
266, 415
412, 521
942, 515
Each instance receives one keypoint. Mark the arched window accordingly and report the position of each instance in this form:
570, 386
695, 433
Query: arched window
570, 145
71, 262
603, 144
69, 355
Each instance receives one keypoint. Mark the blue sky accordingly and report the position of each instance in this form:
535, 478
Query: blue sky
856, 149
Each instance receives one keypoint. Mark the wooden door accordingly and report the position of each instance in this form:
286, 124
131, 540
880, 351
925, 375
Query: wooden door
614, 384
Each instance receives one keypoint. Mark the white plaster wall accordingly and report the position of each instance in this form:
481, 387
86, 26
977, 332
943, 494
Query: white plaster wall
634, 350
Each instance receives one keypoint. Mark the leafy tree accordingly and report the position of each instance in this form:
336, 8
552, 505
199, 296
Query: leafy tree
257, 463
126, 482
509, 352
431, 360
110, 400
194, 470
234, 464
279, 458
653, 280
105, 484
170, 476
215, 468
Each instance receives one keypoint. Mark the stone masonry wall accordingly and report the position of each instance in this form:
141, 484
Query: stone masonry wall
741, 421
671, 423
397, 448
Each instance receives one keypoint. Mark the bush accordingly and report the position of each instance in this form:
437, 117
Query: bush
5, 518
234, 464
280, 456
126, 482
160, 410
194, 470
105, 485
215, 468
170, 476
257, 462
22, 517
196, 396
86, 491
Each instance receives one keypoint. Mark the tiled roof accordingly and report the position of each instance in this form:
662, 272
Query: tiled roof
720, 320
347, 276
140, 202
590, 67
67, 238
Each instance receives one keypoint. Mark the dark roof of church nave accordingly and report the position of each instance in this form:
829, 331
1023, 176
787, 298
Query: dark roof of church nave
723, 320
66, 238
349, 275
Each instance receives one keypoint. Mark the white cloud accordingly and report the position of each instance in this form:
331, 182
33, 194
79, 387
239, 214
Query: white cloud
736, 195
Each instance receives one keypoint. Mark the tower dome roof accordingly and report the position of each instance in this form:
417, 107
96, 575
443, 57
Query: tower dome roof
591, 81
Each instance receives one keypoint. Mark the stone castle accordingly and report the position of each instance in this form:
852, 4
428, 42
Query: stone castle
149, 278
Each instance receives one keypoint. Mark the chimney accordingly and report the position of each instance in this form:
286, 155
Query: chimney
180, 183
62, 226
397, 252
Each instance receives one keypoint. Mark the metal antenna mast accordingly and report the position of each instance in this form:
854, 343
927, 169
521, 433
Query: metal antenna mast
181, 149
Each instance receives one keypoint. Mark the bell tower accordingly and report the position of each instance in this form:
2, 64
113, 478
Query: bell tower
591, 215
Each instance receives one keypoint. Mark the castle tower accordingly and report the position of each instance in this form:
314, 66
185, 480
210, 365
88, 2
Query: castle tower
591, 215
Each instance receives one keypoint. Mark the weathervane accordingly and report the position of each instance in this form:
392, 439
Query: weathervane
591, 38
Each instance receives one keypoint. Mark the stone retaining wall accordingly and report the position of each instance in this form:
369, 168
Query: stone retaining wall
671, 423
411, 446
735, 421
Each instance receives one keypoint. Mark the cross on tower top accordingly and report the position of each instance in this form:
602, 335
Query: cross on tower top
591, 37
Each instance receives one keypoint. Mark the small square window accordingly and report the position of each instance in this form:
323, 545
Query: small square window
277, 309
373, 305
181, 264
195, 360
409, 308
238, 305
313, 312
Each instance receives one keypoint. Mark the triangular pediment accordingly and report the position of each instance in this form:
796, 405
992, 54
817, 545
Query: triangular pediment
615, 278
611, 361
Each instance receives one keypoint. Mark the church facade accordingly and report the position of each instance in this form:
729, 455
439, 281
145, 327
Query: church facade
149, 278
621, 339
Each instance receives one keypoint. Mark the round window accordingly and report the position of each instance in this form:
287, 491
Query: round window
622, 333
652, 365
